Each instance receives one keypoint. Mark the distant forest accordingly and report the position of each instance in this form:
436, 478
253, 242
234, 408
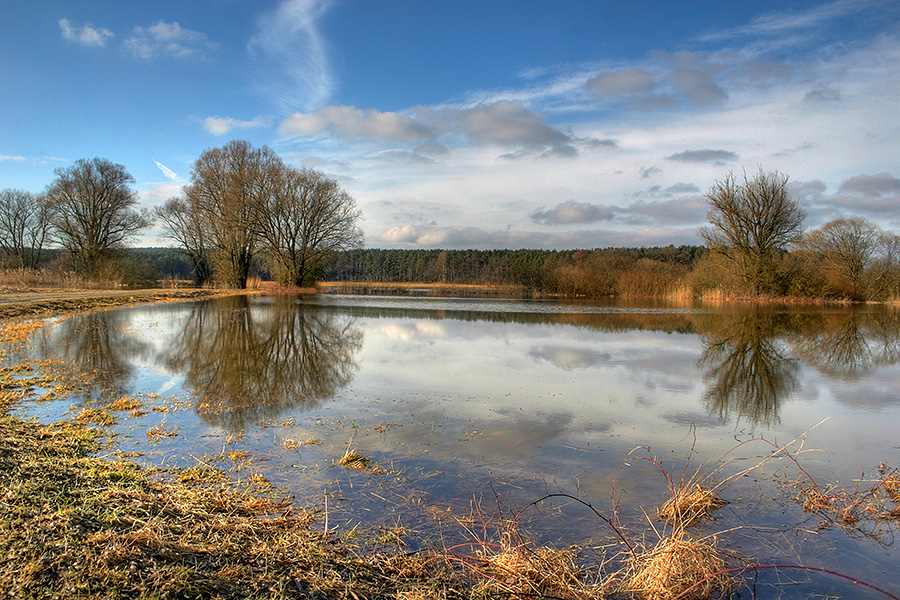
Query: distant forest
538, 270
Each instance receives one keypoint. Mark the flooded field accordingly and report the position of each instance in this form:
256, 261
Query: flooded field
460, 410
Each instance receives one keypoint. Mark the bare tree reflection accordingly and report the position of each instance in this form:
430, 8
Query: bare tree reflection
749, 375
246, 365
850, 344
97, 348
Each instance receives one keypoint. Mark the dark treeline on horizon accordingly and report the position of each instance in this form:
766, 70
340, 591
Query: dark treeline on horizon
530, 268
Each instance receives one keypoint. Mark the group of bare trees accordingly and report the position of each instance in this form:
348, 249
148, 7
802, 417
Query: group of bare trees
242, 202
753, 225
89, 210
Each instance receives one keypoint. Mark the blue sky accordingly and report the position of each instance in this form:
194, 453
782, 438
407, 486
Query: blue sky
472, 124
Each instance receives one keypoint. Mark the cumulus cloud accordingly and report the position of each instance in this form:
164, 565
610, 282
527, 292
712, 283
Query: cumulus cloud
508, 123
877, 186
223, 125
571, 212
877, 195
159, 193
168, 40
698, 87
434, 236
703, 156
351, 122
677, 211
291, 55
86, 35
682, 188
623, 82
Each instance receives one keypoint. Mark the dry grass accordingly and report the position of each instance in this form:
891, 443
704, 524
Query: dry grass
353, 459
76, 526
523, 570
678, 566
688, 507
44, 278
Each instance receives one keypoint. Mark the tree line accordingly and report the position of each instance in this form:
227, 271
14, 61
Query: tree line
246, 212
242, 204
755, 245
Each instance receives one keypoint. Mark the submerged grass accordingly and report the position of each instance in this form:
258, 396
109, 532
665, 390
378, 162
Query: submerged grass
84, 526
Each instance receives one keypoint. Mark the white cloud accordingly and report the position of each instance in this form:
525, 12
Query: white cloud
86, 35
622, 82
571, 212
700, 156
223, 125
158, 193
169, 40
709, 111
351, 122
508, 123
477, 238
4, 158
169, 173
291, 55
698, 87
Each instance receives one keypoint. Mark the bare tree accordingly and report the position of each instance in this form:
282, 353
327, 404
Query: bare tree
94, 211
24, 227
183, 225
307, 218
752, 225
845, 249
227, 187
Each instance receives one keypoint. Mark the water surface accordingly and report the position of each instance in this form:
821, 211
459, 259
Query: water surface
497, 402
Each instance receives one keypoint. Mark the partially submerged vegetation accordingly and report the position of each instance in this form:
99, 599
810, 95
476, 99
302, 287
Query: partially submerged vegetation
76, 520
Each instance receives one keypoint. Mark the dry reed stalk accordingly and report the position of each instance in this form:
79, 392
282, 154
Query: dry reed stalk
674, 567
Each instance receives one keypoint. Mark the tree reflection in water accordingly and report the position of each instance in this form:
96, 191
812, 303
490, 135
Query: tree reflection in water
246, 365
97, 347
850, 345
753, 358
748, 373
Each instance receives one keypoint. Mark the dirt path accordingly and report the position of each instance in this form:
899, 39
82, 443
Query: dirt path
39, 302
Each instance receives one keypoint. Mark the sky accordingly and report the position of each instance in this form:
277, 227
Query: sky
471, 124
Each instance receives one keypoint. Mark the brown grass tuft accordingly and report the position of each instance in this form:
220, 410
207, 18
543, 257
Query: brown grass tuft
517, 567
679, 566
353, 459
687, 508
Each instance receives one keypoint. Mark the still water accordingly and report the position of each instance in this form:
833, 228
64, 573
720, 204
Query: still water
482, 406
